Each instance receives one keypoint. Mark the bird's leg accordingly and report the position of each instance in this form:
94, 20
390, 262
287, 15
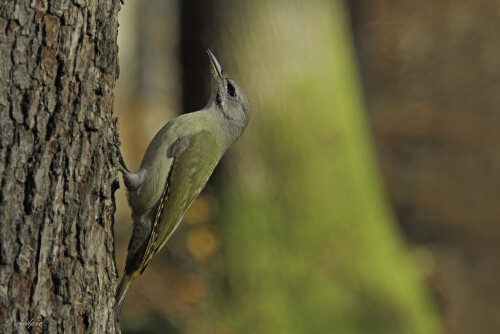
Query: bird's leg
118, 159
122, 166
132, 180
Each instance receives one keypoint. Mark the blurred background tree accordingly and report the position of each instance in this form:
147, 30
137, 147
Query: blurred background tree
295, 234
431, 71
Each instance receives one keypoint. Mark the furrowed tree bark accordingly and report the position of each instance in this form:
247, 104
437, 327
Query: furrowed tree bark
58, 67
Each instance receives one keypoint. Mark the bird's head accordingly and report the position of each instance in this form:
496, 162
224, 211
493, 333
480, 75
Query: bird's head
227, 97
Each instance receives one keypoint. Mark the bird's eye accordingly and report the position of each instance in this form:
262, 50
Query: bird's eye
231, 91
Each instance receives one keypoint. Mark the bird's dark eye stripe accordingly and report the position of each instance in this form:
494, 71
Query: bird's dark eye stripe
230, 90
218, 99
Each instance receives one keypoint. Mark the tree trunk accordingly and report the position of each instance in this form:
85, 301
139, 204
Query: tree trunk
196, 23
432, 83
58, 67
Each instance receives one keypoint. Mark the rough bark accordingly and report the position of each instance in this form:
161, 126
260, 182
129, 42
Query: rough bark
58, 67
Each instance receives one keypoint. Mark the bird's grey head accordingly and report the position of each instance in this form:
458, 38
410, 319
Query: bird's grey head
227, 97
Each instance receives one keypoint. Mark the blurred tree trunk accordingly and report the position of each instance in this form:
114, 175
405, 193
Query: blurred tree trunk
309, 243
196, 24
432, 78
58, 67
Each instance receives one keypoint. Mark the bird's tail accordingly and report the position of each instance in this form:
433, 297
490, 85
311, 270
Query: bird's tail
121, 292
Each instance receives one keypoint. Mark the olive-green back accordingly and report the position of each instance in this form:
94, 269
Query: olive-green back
194, 159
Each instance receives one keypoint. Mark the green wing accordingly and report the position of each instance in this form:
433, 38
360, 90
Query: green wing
194, 159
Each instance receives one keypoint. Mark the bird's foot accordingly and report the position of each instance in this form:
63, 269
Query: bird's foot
117, 159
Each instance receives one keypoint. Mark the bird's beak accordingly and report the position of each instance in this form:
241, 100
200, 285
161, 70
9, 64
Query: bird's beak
218, 72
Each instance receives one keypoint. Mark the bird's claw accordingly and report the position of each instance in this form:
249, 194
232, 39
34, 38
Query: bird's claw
117, 159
